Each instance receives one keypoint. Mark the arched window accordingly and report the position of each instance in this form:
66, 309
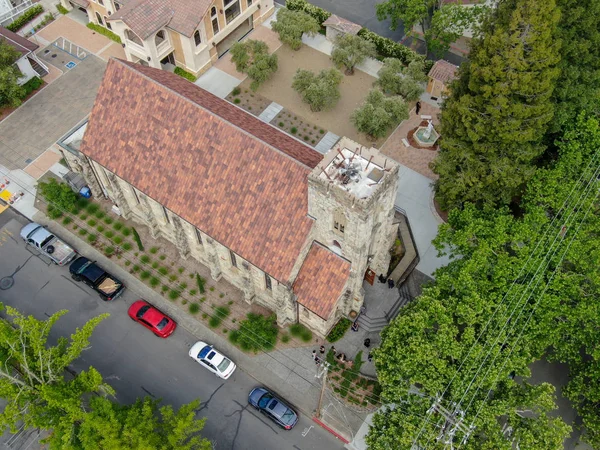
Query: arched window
131, 36
339, 221
336, 248
197, 39
160, 37
107, 23
215, 20
99, 19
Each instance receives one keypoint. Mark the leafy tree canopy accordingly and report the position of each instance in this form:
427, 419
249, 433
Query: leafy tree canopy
396, 79
11, 93
252, 58
379, 113
291, 25
320, 91
350, 50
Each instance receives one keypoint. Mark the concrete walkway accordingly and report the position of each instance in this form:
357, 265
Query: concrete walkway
217, 82
328, 141
270, 112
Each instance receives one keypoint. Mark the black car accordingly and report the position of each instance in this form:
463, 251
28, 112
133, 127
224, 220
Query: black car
109, 288
271, 406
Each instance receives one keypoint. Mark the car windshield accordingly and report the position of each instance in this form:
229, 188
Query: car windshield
84, 266
163, 323
264, 400
223, 365
142, 311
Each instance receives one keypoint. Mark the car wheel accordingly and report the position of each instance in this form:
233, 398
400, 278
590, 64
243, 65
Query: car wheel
156, 334
76, 277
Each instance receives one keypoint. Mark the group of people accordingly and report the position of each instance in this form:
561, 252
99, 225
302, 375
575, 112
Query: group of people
341, 357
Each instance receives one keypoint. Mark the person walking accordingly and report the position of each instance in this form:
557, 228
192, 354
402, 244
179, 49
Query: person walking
367, 342
418, 106
322, 350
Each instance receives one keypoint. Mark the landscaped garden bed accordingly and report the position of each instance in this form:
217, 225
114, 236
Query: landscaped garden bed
156, 262
32, 87
347, 382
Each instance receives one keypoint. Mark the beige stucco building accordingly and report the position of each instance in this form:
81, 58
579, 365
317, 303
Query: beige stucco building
191, 34
294, 230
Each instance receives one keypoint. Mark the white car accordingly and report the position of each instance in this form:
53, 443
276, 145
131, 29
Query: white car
208, 357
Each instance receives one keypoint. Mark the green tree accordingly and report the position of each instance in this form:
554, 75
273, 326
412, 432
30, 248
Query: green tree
320, 90
59, 195
143, 425
350, 50
578, 87
494, 122
440, 23
396, 79
11, 93
33, 377
379, 113
291, 25
252, 58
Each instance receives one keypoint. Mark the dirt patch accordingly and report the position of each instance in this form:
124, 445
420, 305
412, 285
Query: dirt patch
249, 101
353, 89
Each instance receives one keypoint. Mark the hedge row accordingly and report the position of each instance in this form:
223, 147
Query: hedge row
28, 16
386, 48
104, 32
31, 85
185, 74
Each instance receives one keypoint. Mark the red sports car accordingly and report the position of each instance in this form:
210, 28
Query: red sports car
150, 317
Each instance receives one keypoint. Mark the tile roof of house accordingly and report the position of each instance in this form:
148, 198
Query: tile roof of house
321, 280
341, 24
443, 71
238, 179
146, 17
19, 43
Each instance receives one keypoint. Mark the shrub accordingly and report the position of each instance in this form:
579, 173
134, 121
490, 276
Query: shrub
390, 49
109, 251
252, 58
162, 257
29, 15
256, 333
92, 222
164, 288
136, 268
154, 281
281, 124
92, 208
145, 259
104, 32
181, 269
285, 338
339, 329
145, 275
174, 294
320, 90
194, 308
117, 240
236, 101
31, 85
193, 291
118, 225
183, 286
320, 14
136, 238
221, 312
350, 50
173, 277
100, 214
83, 216
154, 264
201, 282
82, 231
163, 270
91, 238
379, 113
61, 9
109, 233
291, 25
154, 250
293, 130
236, 91
185, 74
59, 195
100, 228
108, 220
126, 231
300, 331
127, 246
67, 220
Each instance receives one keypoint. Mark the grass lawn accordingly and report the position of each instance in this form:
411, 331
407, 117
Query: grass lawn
353, 89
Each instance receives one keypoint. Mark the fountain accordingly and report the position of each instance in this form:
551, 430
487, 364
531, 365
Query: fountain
426, 136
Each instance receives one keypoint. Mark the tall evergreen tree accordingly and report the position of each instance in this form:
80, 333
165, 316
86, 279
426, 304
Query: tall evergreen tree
494, 121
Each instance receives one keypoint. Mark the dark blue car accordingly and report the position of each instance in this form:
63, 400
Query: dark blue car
271, 406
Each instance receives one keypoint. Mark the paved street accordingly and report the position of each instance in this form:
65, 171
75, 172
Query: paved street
136, 362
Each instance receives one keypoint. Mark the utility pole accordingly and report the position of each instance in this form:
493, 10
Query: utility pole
323, 375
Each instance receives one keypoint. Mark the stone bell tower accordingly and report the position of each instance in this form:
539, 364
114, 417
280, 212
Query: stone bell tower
351, 195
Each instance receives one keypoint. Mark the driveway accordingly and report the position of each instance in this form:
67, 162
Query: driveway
137, 363
41, 121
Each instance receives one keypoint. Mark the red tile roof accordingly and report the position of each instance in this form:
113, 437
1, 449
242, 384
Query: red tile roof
19, 43
146, 17
443, 71
231, 175
321, 280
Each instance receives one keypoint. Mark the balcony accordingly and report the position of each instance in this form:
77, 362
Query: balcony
163, 48
136, 49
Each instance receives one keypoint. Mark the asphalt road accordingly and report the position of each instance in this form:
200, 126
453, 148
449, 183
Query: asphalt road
137, 363
361, 12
